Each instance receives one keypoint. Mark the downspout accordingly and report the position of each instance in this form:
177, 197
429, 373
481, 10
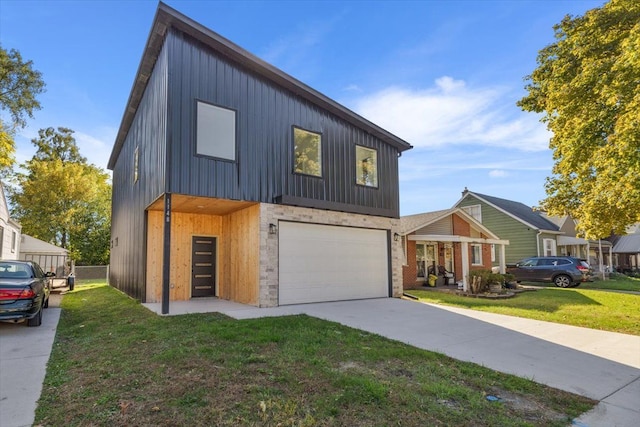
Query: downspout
538, 241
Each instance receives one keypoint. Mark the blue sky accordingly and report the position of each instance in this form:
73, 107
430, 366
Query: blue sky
443, 75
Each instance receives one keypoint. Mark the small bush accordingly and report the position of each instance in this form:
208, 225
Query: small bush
488, 278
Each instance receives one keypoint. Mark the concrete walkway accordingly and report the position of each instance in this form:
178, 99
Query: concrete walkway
24, 353
604, 366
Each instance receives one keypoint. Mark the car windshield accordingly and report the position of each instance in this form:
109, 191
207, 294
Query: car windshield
12, 270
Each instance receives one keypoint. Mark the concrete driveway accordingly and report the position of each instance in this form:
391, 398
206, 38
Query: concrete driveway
24, 353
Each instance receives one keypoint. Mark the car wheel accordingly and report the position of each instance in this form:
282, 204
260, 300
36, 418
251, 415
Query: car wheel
562, 281
35, 320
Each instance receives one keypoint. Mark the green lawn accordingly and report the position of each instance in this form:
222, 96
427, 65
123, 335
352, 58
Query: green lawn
114, 363
617, 282
596, 309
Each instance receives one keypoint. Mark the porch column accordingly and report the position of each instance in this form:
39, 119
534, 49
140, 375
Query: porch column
503, 261
465, 265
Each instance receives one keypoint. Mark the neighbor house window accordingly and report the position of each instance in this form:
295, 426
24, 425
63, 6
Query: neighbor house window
493, 253
215, 131
14, 237
307, 152
366, 166
474, 211
549, 247
136, 164
476, 254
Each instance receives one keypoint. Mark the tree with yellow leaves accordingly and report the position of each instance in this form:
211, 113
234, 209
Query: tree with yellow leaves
587, 85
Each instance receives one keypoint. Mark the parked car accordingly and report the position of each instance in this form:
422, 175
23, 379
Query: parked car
24, 291
563, 271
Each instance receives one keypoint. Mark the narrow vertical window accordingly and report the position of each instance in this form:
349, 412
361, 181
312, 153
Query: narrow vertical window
307, 152
13, 241
366, 166
136, 165
215, 131
476, 255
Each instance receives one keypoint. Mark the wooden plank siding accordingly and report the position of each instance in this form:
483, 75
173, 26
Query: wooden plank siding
240, 263
237, 263
522, 239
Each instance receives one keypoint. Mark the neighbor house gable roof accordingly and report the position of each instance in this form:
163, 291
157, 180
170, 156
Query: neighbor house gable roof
167, 17
29, 245
516, 210
629, 244
411, 223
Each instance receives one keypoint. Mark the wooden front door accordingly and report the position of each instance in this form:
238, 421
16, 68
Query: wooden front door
203, 266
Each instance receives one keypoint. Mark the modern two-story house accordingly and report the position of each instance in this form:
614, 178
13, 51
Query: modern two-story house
235, 180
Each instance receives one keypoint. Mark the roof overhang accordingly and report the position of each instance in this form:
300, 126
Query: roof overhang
167, 17
452, 238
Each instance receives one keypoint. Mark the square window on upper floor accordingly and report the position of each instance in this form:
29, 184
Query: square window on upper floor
215, 131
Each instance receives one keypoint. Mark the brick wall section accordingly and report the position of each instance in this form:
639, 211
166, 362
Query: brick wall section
410, 271
271, 214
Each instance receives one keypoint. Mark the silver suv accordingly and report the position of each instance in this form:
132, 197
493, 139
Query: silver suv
563, 271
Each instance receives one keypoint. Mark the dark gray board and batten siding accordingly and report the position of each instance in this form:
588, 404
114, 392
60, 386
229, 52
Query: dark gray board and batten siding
266, 114
148, 133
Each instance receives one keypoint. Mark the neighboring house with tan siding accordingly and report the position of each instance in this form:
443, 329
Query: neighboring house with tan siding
451, 239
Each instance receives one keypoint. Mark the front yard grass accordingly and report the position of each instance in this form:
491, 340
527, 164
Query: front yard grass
114, 363
617, 282
607, 311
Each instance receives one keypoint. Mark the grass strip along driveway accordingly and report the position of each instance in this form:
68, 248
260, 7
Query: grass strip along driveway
589, 308
115, 363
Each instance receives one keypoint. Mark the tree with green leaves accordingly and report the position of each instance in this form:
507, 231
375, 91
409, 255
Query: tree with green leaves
63, 200
587, 85
19, 86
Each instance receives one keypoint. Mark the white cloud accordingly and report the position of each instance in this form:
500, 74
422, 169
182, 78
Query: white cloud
450, 112
497, 173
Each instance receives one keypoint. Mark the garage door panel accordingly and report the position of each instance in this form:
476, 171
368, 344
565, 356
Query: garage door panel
331, 263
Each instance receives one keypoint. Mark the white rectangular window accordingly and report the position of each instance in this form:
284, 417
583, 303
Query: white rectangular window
493, 253
474, 211
476, 254
14, 237
366, 166
215, 131
549, 247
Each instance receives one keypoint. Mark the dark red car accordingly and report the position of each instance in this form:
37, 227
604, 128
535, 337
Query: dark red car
24, 291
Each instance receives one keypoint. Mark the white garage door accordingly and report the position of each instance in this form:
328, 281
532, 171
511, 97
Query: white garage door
330, 263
